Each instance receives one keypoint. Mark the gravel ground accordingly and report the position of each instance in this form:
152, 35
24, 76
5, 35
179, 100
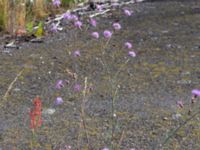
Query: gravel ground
165, 37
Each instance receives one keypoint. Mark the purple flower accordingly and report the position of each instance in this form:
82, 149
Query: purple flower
99, 7
58, 101
74, 17
78, 24
56, 3
105, 148
93, 22
127, 12
196, 92
131, 53
128, 45
59, 84
95, 35
68, 147
67, 16
179, 104
77, 87
117, 26
107, 34
54, 28
76, 53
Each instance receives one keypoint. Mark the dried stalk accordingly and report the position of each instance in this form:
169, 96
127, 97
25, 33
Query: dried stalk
10, 87
121, 139
82, 122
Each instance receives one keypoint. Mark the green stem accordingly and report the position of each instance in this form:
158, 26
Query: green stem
115, 76
180, 126
114, 95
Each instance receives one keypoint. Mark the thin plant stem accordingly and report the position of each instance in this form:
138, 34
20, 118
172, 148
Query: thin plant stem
87, 27
102, 60
116, 74
114, 95
83, 123
83, 108
114, 88
121, 139
10, 87
104, 46
180, 126
33, 139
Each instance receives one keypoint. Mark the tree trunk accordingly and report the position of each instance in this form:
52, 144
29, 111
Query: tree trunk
9, 16
21, 17
39, 8
14, 15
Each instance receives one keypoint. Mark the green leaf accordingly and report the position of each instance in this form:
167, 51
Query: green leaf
40, 30
29, 27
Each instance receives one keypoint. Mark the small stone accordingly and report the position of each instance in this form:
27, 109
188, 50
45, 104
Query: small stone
17, 89
49, 111
176, 116
36, 40
114, 115
165, 118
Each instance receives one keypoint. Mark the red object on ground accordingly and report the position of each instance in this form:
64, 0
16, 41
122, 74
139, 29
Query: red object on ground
36, 114
21, 32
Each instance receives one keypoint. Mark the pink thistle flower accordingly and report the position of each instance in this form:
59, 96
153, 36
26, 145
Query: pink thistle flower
78, 24
74, 17
54, 28
107, 34
77, 87
58, 101
93, 22
56, 3
68, 147
127, 12
117, 26
59, 84
95, 35
128, 45
179, 104
99, 7
76, 53
67, 16
196, 92
132, 53
105, 148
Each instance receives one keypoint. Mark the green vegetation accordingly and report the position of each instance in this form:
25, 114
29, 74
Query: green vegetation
15, 14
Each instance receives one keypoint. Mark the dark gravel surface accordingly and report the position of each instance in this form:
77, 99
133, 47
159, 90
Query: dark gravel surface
165, 37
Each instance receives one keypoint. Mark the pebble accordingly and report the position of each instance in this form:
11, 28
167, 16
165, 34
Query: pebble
48, 111
176, 116
165, 118
184, 82
16, 89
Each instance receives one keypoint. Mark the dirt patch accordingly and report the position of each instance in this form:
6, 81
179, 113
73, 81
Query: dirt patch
165, 37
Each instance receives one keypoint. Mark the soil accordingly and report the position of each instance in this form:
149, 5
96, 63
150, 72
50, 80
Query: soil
141, 94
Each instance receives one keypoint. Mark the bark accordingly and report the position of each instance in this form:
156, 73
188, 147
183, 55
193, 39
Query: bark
14, 15
21, 15
39, 8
